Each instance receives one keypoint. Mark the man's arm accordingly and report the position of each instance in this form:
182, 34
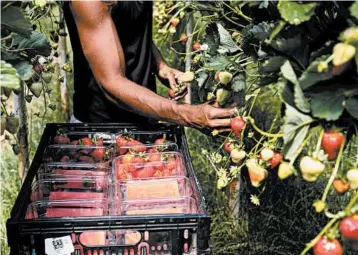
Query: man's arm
103, 50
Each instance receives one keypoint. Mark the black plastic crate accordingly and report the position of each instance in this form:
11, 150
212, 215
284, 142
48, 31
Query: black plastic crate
161, 234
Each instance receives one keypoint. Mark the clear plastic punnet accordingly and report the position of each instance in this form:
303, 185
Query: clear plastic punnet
148, 166
78, 154
62, 209
169, 188
80, 187
184, 205
78, 137
48, 170
152, 141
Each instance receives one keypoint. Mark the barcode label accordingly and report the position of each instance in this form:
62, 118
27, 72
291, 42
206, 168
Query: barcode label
59, 246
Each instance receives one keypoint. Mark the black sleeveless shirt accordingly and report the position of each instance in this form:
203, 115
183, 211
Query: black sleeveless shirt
133, 21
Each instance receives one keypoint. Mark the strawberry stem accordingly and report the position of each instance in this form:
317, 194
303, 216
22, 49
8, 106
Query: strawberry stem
252, 122
318, 146
334, 172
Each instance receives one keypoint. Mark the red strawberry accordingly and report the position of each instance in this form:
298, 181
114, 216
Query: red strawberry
237, 124
196, 46
86, 159
154, 157
121, 141
86, 141
228, 147
327, 247
160, 141
340, 186
174, 22
127, 159
276, 159
331, 142
75, 142
172, 163
61, 139
349, 227
136, 146
146, 172
137, 160
65, 159
99, 154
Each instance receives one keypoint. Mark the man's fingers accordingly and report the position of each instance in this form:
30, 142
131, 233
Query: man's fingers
219, 123
178, 97
224, 130
222, 112
171, 79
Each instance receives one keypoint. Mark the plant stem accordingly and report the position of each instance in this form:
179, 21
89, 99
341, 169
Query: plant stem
334, 173
299, 150
318, 146
252, 122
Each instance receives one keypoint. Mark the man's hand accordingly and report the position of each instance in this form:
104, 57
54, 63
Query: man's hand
171, 74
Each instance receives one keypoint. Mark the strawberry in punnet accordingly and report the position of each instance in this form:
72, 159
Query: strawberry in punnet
285, 170
174, 22
160, 141
127, 159
352, 177
86, 159
311, 168
120, 142
276, 159
228, 147
237, 124
340, 186
331, 142
327, 247
266, 154
172, 163
86, 141
75, 142
99, 153
257, 174
196, 46
146, 172
136, 146
65, 159
237, 155
61, 139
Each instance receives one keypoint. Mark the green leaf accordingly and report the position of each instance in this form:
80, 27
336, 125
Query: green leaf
286, 92
238, 83
352, 107
311, 76
9, 77
24, 69
13, 20
328, 105
212, 38
219, 62
296, 13
201, 78
9, 56
273, 64
295, 131
299, 98
37, 44
354, 10
226, 40
276, 31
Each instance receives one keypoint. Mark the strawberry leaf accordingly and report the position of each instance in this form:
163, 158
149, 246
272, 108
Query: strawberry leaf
352, 107
311, 76
37, 44
226, 42
295, 130
299, 98
296, 13
13, 20
219, 62
8, 77
354, 10
328, 105
238, 83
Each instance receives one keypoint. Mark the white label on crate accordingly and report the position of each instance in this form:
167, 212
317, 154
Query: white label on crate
59, 246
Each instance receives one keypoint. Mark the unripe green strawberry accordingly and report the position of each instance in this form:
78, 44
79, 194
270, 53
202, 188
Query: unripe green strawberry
285, 170
319, 206
172, 30
352, 177
28, 98
222, 95
311, 168
16, 149
237, 155
46, 76
36, 88
350, 35
266, 154
222, 182
3, 125
210, 96
225, 78
342, 53
186, 77
12, 124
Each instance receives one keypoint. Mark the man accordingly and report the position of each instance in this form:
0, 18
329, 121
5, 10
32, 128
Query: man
115, 61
